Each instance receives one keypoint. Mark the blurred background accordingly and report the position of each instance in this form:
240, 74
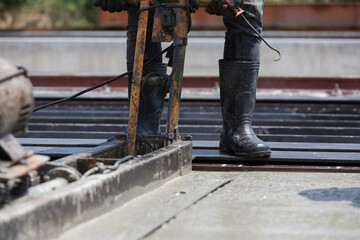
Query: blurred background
318, 38
47, 14
75, 15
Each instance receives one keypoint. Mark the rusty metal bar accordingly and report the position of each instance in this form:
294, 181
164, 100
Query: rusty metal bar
136, 80
107, 149
32, 162
181, 30
172, 126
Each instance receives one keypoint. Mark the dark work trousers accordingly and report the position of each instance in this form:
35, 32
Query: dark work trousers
241, 43
238, 80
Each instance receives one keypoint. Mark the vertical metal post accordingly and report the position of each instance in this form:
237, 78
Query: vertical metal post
181, 30
136, 80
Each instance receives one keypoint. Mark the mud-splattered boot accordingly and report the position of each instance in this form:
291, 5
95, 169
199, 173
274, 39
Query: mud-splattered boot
152, 96
238, 80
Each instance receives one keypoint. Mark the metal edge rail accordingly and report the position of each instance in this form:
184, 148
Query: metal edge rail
216, 98
87, 198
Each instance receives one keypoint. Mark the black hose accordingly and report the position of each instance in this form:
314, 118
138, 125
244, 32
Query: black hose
22, 71
98, 85
259, 35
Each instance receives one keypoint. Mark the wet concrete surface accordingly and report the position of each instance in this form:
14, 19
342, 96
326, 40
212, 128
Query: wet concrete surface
247, 205
141, 216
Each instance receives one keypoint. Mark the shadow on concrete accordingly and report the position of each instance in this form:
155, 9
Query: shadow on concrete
334, 194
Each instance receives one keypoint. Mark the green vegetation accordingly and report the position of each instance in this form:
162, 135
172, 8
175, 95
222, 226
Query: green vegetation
46, 14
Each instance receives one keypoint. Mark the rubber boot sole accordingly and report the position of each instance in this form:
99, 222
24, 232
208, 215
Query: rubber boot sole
251, 153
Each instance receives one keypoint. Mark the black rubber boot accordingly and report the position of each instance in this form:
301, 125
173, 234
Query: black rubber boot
152, 97
238, 80
153, 92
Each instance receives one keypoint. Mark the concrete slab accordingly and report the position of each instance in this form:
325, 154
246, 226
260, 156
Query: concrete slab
143, 215
254, 205
274, 206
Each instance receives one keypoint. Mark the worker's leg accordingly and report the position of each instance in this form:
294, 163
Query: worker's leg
152, 94
238, 79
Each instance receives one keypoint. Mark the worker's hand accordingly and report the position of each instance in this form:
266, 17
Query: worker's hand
111, 5
224, 7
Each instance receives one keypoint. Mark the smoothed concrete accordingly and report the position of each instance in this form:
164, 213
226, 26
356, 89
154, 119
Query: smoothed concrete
274, 206
140, 217
304, 54
247, 205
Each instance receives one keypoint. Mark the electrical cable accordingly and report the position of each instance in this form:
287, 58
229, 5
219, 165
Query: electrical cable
165, 5
259, 35
22, 71
98, 85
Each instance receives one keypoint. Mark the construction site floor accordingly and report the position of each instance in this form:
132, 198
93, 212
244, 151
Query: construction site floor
245, 205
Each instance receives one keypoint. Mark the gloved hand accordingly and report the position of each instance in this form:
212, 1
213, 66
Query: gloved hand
218, 7
111, 5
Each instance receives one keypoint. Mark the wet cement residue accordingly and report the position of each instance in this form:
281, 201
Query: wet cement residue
334, 194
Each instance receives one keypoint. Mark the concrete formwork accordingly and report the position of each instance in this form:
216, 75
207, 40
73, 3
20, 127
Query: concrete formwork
50, 208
